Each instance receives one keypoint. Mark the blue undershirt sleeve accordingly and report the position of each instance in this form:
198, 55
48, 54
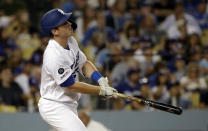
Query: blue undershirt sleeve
96, 76
69, 82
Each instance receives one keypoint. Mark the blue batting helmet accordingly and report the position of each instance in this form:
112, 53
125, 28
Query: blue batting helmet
54, 18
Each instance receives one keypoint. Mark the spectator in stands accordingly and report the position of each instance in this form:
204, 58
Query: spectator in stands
190, 5
95, 45
181, 30
160, 91
176, 98
192, 83
180, 18
160, 66
16, 61
118, 104
101, 27
162, 9
145, 8
22, 79
148, 28
120, 71
34, 95
34, 84
193, 46
7, 44
192, 80
85, 22
104, 55
131, 85
132, 8
173, 50
142, 43
179, 68
130, 32
26, 41
5, 20
201, 15
19, 24
147, 59
145, 92
37, 56
10, 92
203, 64
104, 4
116, 17
114, 58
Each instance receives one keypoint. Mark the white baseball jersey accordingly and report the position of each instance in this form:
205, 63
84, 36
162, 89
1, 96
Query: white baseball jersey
58, 65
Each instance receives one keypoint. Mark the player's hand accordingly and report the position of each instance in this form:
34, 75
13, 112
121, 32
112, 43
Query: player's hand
103, 81
108, 92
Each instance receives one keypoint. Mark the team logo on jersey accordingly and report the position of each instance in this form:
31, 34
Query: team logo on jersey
61, 70
75, 65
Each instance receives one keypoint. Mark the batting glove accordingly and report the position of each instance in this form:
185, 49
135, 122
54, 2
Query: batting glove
103, 81
108, 92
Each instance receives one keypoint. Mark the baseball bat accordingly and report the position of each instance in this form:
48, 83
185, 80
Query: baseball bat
154, 104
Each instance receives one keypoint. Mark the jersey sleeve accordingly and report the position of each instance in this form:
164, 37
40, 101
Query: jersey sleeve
60, 71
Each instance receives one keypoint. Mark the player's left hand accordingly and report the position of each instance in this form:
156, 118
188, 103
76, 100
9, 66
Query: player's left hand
108, 92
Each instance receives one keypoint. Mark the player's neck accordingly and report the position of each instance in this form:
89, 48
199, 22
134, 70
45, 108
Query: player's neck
61, 41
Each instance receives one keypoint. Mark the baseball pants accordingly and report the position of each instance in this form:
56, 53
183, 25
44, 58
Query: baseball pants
60, 116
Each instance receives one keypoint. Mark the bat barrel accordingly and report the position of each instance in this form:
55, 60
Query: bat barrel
163, 107
154, 104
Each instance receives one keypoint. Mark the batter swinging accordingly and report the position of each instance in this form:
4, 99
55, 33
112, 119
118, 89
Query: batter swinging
60, 89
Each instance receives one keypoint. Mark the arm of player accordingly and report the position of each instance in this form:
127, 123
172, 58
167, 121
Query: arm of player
91, 71
85, 88
88, 69
91, 89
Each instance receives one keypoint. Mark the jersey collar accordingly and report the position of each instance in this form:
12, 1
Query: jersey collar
59, 46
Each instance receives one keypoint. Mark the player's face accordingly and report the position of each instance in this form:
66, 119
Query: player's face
65, 30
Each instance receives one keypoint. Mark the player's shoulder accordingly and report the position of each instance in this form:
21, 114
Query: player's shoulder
52, 49
52, 53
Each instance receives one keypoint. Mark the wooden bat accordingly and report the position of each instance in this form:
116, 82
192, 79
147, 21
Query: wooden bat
154, 104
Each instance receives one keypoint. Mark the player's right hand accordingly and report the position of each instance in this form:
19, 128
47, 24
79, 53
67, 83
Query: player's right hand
103, 81
108, 92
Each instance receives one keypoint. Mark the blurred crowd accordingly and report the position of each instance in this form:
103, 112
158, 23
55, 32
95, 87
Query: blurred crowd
153, 49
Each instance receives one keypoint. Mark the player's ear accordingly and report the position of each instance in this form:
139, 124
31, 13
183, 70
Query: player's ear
54, 32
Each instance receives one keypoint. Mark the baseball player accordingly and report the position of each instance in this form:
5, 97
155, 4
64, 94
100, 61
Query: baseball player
60, 89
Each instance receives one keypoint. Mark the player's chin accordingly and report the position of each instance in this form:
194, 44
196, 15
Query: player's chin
69, 33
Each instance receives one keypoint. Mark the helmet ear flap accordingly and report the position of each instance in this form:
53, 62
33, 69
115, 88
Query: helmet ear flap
74, 25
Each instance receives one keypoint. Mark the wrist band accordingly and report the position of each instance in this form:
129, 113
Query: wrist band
96, 76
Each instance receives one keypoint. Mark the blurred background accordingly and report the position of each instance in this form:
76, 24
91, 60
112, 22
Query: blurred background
154, 49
